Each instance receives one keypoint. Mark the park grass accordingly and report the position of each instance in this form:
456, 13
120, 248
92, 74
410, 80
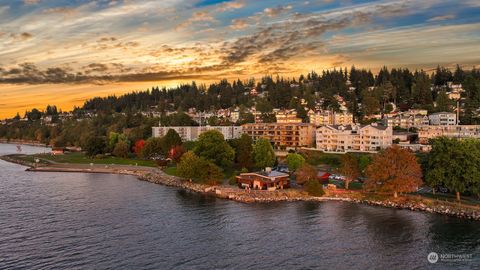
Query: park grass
449, 198
80, 158
171, 170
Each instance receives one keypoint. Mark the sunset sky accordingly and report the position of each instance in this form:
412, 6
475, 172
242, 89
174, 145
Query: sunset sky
63, 52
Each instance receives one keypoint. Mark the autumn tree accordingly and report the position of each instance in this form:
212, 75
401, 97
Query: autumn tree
393, 170
305, 173
349, 168
138, 146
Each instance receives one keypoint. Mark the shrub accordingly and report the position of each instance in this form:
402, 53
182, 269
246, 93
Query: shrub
314, 188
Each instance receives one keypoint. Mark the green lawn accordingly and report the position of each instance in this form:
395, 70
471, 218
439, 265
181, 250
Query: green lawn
80, 158
450, 198
171, 171
352, 186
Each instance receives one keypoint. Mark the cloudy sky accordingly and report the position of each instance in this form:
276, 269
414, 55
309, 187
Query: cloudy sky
62, 52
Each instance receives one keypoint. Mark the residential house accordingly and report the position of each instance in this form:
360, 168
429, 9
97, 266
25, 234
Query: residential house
443, 119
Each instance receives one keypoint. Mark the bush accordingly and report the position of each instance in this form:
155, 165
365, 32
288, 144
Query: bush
313, 188
198, 169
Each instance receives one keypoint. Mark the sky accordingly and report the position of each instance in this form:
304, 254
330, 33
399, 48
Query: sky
63, 52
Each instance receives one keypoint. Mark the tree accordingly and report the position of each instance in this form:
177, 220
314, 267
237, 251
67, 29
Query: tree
176, 153
94, 145
121, 149
263, 153
138, 147
349, 168
394, 170
187, 167
295, 161
454, 164
171, 139
198, 169
243, 151
314, 188
305, 173
153, 148
212, 146
443, 102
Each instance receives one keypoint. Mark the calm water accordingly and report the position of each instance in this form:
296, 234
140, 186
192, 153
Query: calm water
82, 221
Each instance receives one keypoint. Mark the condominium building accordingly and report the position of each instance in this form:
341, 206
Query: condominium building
353, 138
459, 131
287, 116
443, 119
191, 133
406, 121
321, 118
282, 135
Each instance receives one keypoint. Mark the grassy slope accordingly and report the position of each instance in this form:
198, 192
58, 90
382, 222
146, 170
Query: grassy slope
80, 158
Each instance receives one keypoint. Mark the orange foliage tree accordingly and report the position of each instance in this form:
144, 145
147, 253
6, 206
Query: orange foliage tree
305, 173
393, 170
349, 168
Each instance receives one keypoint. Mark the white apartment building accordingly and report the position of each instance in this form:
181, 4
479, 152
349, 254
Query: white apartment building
191, 133
353, 138
321, 118
443, 119
459, 131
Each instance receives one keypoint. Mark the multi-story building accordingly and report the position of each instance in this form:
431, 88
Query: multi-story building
283, 136
191, 133
443, 119
459, 131
353, 138
321, 118
406, 121
287, 116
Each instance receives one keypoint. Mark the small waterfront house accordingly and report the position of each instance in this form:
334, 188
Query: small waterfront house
265, 180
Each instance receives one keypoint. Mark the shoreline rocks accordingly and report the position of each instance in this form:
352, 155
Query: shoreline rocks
156, 176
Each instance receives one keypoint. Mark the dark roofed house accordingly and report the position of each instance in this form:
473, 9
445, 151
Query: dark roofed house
265, 180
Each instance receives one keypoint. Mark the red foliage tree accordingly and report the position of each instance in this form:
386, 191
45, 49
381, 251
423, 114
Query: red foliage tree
137, 148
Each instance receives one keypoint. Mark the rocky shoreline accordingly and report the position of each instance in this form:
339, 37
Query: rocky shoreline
157, 176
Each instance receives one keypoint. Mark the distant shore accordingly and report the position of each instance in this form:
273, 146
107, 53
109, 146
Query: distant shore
157, 176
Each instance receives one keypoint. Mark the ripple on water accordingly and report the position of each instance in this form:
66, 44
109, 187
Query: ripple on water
79, 221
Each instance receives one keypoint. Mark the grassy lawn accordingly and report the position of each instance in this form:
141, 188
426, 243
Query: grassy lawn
171, 171
450, 198
352, 186
80, 158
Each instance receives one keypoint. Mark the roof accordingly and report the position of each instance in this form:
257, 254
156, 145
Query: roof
272, 174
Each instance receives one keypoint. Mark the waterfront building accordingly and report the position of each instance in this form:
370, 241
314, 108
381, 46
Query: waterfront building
443, 119
458, 131
191, 133
353, 138
283, 136
265, 180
